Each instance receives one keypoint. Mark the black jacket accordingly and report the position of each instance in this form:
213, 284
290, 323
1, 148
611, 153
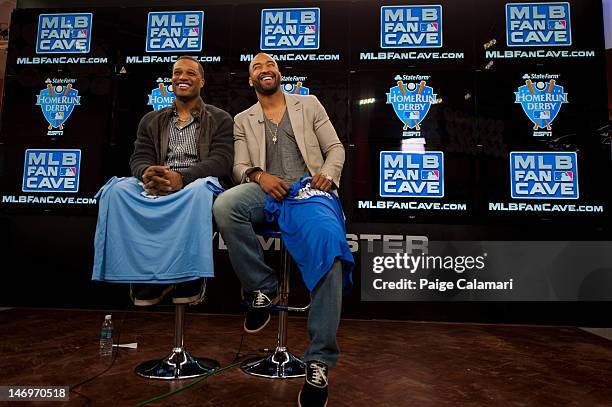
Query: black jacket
215, 143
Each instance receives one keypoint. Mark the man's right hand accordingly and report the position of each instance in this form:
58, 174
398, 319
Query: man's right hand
153, 179
272, 185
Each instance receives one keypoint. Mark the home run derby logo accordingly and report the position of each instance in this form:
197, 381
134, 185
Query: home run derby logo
162, 96
411, 102
541, 99
308, 192
295, 85
57, 101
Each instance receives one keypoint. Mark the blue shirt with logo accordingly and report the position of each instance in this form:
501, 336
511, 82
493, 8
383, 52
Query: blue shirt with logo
313, 230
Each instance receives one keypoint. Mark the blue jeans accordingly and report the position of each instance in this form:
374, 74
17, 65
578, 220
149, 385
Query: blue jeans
237, 212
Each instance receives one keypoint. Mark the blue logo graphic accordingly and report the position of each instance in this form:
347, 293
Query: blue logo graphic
290, 29
175, 31
411, 26
57, 103
64, 33
543, 175
541, 102
51, 170
295, 88
538, 25
411, 102
162, 96
419, 175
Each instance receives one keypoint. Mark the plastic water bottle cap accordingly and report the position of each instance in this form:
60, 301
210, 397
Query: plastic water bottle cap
108, 317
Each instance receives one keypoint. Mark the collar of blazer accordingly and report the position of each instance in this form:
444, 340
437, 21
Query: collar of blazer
295, 107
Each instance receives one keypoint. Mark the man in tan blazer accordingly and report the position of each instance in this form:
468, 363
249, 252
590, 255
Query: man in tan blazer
276, 141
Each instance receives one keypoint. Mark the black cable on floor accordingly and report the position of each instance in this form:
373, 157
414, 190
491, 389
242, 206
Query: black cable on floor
239, 348
235, 363
193, 383
88, 401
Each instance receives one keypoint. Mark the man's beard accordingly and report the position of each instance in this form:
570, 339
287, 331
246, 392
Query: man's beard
266, 92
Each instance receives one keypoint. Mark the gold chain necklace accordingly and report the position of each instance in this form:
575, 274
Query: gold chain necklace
273, 133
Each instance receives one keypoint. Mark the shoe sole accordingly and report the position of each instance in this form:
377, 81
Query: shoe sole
194, 299
153, 301
274, 302
300, 404
258, 329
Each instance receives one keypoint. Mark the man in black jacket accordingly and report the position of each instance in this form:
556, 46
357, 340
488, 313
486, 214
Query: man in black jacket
174, 147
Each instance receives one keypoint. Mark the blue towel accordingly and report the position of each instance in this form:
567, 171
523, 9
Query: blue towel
313, 230
144, 239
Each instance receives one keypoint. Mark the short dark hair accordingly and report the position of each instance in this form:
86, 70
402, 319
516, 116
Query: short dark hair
190, 58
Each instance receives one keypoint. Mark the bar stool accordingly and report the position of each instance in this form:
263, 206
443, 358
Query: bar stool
279, 364
179, 364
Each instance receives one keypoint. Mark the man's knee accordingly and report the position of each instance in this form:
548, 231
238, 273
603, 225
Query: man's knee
235, 204
222, 209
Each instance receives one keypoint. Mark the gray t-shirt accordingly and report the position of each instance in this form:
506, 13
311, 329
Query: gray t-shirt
283, 158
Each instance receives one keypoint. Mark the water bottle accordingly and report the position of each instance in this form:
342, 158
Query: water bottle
106, 337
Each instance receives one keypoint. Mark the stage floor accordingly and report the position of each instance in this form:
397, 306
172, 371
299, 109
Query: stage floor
383, 363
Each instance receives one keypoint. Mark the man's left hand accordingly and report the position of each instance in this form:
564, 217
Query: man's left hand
321, 182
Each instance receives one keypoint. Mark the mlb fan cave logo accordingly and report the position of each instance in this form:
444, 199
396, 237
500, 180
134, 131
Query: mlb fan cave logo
541, 99
175, 31
411, 26
51, 170
290, 29
417, 175
411, 102
544, 175
57, 102
538, 25
64, 33
163, 95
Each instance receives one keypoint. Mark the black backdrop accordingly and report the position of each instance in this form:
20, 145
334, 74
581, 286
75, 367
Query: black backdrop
47, 250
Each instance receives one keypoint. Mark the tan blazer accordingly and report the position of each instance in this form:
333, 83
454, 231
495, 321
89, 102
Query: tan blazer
314, 134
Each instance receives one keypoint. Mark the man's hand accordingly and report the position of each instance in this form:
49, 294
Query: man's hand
160, 180
272, 185
153, 179
321, 182
175, 179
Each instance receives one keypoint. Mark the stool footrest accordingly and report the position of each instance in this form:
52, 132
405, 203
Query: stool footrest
179, 364
279, 307
287, 308
280, 364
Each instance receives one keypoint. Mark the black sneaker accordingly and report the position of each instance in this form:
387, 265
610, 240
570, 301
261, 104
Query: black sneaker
189, 292
148, 294
314, 391
258, 314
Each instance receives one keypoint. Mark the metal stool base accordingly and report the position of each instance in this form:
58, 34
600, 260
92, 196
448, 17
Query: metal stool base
281, 364
179, 364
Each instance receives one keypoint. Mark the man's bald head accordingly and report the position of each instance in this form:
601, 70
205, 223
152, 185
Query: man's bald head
261, 58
